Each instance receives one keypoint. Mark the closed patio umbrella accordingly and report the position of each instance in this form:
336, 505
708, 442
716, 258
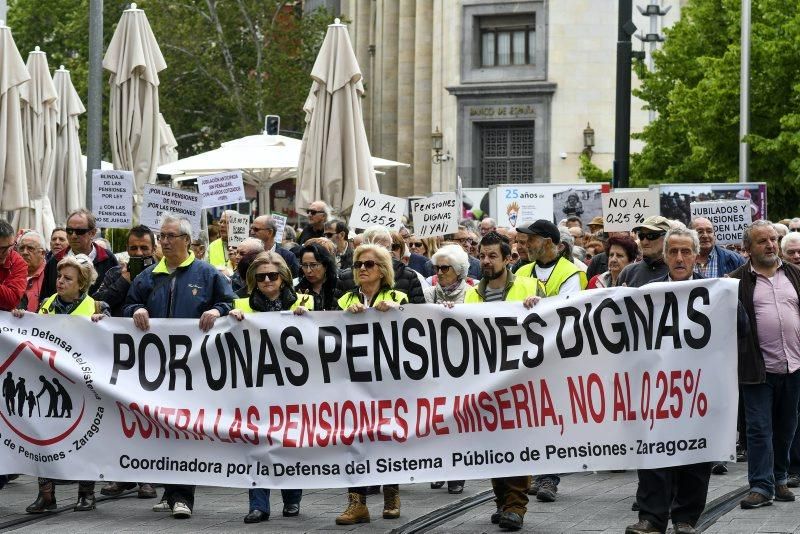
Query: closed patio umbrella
68, 190
134, 60
39, 126
334, 157
13, 186
167, 144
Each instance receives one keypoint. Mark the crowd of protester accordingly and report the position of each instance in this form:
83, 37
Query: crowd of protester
326, 267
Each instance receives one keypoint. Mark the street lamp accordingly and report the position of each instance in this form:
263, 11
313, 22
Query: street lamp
436, 146
588, 141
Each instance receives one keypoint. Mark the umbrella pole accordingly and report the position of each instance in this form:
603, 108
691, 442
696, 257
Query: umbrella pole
94, 133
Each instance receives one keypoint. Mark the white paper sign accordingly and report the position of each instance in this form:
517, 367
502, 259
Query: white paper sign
159, 199
370, 209
524, 205
729, 217
280, 224
112, 198
435, 215
238, 229
625, 209
221, 189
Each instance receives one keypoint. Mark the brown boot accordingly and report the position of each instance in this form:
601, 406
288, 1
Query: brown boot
46, 500
356, 512
85, 497
391, 502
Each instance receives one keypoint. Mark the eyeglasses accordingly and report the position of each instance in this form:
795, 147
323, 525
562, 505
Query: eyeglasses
463, 240
78, 231
442, 268
396, 246
169, 237
254, 229
329, 235
310, 266
311, 213
368, 264
416, 245
260, 277
650, 236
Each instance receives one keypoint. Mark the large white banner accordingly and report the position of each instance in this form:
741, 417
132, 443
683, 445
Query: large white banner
607, 379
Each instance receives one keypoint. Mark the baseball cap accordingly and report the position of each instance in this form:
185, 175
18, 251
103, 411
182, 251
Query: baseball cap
657, 223
543, 228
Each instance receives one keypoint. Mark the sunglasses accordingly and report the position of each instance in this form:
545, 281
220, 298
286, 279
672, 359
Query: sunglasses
442, 268
311, 213
78, 231
369, 264
396, 246
416, 245
650, 236
260, 277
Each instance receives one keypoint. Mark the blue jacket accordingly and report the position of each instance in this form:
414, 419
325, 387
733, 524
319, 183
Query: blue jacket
192, 289
727, 261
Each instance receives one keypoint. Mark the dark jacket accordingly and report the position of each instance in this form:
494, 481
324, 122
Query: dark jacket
113, 290
752, 369
643, 272
405, 280
519, 263
290, 259
727, 261
598, 265
346, 259
192, 289
417, 262
309, 232
103, 261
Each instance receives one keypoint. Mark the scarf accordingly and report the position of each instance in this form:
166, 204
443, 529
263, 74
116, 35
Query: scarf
260, 303
455, 292
60, 307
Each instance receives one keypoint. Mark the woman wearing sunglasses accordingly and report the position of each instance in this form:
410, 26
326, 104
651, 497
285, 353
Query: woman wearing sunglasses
269, 282
318, 276
75, 275
374, 278
450, 265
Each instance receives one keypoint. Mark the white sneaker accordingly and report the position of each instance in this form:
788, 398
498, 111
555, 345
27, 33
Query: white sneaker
181, 511
162, 506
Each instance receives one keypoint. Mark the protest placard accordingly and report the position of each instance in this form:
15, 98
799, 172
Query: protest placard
158, 199
238, 229
221, 189
625, 209
112, 198
729, 217
370, 209
435, 215
280, 224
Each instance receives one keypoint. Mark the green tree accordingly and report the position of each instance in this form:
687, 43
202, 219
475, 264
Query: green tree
695, 91
229, 62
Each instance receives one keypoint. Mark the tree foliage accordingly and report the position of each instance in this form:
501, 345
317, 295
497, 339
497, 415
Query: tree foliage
229, 62
695, 91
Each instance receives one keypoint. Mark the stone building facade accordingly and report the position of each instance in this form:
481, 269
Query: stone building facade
510, 84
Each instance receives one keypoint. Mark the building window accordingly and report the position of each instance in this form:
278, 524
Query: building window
506, 42
507, 154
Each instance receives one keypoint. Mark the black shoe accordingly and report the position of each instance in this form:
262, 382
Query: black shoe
455, 489
437, 485
85, 503
113, 489
719, 468
793, 481
683, 528
291, 510
495, 519
642, 527
510, 521
256, 516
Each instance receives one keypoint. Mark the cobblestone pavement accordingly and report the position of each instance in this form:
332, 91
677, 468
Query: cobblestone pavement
588, 502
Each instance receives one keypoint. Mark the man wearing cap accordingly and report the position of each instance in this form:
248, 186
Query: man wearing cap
651, 240
559, 275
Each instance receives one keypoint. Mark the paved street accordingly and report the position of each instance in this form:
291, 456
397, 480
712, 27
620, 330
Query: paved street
591, 502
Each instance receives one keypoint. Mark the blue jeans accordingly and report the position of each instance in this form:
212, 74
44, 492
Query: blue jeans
259, 498
771, 415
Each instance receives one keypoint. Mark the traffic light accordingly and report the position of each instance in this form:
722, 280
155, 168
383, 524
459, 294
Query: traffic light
272, 125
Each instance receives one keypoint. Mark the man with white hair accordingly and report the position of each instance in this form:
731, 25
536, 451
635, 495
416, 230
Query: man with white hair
790, 248
487, 225
169, 289
31, 247
218, 249
794, 225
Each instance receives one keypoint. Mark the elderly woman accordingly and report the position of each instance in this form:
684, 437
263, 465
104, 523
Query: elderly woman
620, 251
318, 273
75, 275
269, 282
374, 277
